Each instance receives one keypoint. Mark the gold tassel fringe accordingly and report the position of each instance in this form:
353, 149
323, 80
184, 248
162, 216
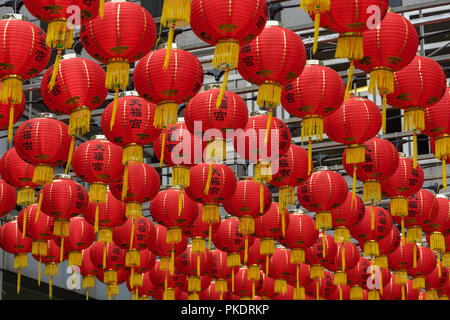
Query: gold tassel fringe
324, 220
356, 293
414, 118
371, 191
132, 258
181, 176
133, 153
350, 45
280, 286
166, 113
75, 258
11, 90
226, 54
269, 95
267, 247
437, 242
43, 175
312, 126
342, 234
246, 225
317, 272
210, 213
97, 193
173, 235
371, 249
355, 154
194, 284
117, 75
25, 197
233, 260
198, 245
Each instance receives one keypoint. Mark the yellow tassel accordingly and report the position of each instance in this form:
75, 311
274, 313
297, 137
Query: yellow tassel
371, 191
105, 235
383, 79
226, 54
194, 284
59, 35
133, 210
350, 45
267, 264
444, 174
96, 218
269, 123
233, 260
88, 282
343, 258
101, 8
232, 280
24, 224
39, 248
110, 276
117, 75
401, 277
97, 193
172, 261
267, 247
254, 273
246, 225
18, 281
133, 154
317, 272
169, 46
299, 293
382, 262
403, 292
415, 149
414, 118
198, 265
11, 124
25, 196
342, 234
173, 235
75, 258
351, 71
210, 213
209, 236
384, 113
312, 126
324, 220
269, 95
446, 259
132, 258
414, 234
39, 271
132, 233
356, 153
415, 257
69, 158
418, 283
43, 175
112, 290
221, 286
340, 278
198, 245
20, 261
193, 296
261, 198
245, 249
373, 295
165, 113
105, 249
317, 290
61, 227
297, 256
11, 90
381, 283
439, 266
371, 249
399, 206
280, 286
163, 146
283, 222
50, 288
73, 278
372, 216
208, 181
431, 295
61, 251
176, 11
180, 176
52, 82
356, 293
324, 245
316, 31
437, 242
115, 105
222, 88
169, 294
125, 183
164, 263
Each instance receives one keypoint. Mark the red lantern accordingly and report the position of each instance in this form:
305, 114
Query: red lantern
166, 251
139, 184
10, 114
144, 291
263, 64
98, 162
270, 226
323, 250
90, 9
436, 280
228, 26
25, 56
291, 173
18, 174
300, 280
382, 56
349, 214
438, 227
437, 126
168, 282
375, 226
355, 122
266, 291
8, 198
88, 270
195, 265
247, 203
401, 260
357, 278
39, 230
281, 269
78, 90
106, 216
129, 38
133, 126
200, 230
321, 288
221, 272
137, 272
176, 211
322, 192
112, 286
315, 94
205, 282
263, 140
35, 142
423, 73
255, 260
170, 87
301, 234
395, 291
228, 238
426, 263
179, 149
211, 293
381, 161
341, 293
244, 287
211, 192
347, 257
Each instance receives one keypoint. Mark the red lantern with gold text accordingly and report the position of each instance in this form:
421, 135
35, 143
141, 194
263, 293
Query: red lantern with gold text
144, 291
381, 161
244, 287
133, 127
98, 162
315, 94
131, 34
321, 252
13, 242
255, 261
18, 174
25, 56
137, 272
195, 265
221, 272
300, 280
139, 184
177, 84
43, 142
90, 9
281, 269
436, 280
322, 192
247, 203
388, 48
228, 26
211, 192
168, 282
263, 64
357, 278
200, 230
322, 288
347, 257
437, 126
426, 263
396, 291
401, 260
88, 270
423, 73
77, 91
293, 170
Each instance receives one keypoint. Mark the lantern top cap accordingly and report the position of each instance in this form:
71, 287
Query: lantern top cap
63, 176
259, 113
273, 23
15, 16
444, 196
98, 137
314, 62
46, 115
69, 56
165, 45
321, 168
129, 93
212, 86
296, 211
401, 154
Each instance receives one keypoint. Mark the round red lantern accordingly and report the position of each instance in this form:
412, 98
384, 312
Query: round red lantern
176, 211
211, 192
263, 64
98, 162
436, 280
255, 260
426, 263
323, 191
221, 272
300, 280
43, 142
321, 288
131, 34
357, 278
133, 126
211, 293
137, 272
18, 174
78, 90
112, 286
247, 203
438, 227
8, 198
26, 56
244, 287
88, 270
347, 257
323, 250
167, 282
145, 290
423, 73
139, 184
170, 87
90, 9
386, 246
401, 260
200, 230
228, 26
281, 269
381, 161
349, 214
